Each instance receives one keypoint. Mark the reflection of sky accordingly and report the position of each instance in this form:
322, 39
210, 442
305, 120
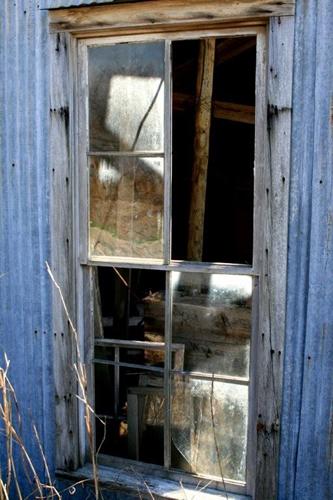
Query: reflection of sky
240, 285
235, 285
134, 111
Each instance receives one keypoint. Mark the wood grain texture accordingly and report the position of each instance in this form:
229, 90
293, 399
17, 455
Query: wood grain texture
62, 256
204, 90
164, 12
272, 233
235, 112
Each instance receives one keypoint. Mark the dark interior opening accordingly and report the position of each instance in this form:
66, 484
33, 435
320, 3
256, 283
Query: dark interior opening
228, 221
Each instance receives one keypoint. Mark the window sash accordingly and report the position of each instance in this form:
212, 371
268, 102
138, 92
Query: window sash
85, 153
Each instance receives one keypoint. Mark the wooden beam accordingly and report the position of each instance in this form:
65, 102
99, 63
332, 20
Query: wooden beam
226, 49
232, 47
242, 113
234, 112
204, 92
165, 12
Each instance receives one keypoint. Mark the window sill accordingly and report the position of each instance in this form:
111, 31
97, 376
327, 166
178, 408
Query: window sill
130, 481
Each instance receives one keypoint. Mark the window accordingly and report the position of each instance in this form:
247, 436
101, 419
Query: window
170, 146
182, 318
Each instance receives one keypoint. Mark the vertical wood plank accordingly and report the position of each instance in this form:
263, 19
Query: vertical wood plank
62, 254
273, 219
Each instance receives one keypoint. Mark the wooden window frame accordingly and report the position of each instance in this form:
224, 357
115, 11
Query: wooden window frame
272, 158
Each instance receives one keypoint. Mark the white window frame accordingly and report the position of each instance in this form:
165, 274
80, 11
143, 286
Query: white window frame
268, 151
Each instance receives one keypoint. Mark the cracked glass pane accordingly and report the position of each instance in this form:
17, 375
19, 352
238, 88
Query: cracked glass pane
209, 427
126, 97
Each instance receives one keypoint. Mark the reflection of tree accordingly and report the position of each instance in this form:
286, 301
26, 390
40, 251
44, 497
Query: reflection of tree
146, 115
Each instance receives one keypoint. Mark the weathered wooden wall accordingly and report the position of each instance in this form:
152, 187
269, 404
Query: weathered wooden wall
306, 453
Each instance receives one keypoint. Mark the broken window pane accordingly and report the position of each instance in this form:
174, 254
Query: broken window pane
130, 304
129, 362
126, 97
212, 206
212, 319
130, 415
209, 427
126, 207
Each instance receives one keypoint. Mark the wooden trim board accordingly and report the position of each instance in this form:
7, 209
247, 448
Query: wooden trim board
165, 12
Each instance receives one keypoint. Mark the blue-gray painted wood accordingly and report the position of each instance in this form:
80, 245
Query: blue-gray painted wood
306, 459
25, 313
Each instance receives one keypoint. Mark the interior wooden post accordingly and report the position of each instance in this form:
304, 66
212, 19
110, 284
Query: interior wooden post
204, 91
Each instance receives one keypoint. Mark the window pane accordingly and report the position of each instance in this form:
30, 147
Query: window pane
212, 319
209, 427
126, 207
126, 97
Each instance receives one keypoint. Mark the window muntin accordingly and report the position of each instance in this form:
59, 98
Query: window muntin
184, 380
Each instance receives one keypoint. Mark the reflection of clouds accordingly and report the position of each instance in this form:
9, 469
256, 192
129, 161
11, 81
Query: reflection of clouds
240, 285
135, 104
155, 165
227, 284
107, 173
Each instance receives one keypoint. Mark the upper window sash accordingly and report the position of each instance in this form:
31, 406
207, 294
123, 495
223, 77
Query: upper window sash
87, 152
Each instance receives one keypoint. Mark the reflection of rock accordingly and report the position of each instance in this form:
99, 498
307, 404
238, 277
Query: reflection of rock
126, 208
216, 338
104, 243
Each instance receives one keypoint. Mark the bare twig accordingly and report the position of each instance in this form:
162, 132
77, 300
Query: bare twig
81, 375
215, 438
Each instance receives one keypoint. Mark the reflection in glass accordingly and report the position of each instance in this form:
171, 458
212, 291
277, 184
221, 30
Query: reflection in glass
212, 318
126, 97
126, 207
209, 427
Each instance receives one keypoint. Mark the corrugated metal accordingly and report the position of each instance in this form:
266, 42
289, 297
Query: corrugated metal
25, 312
307, 425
